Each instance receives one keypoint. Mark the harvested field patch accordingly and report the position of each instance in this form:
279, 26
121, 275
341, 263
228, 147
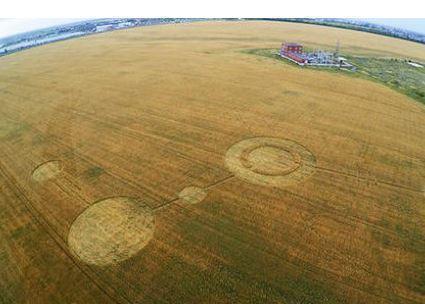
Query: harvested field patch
111, 231
270, 161
46, 170
192, 195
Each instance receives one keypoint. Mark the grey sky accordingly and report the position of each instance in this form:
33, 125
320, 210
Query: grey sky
413, 24
10, 27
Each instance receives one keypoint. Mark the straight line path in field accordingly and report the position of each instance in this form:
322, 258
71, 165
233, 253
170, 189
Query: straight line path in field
369, 179
165, 204
222, 181
217, 183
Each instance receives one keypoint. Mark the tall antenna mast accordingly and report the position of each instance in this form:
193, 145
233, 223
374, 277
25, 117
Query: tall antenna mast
337, 48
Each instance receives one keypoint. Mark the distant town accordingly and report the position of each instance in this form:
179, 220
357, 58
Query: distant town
27, 40
23, 41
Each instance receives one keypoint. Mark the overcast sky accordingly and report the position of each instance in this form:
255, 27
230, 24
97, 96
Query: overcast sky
10, 27
413, 24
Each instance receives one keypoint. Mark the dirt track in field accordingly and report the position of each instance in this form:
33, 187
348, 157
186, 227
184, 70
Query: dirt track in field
151, 114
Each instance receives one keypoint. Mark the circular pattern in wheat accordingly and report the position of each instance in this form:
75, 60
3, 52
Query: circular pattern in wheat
46, 171
192, 195
111, 231
270, 161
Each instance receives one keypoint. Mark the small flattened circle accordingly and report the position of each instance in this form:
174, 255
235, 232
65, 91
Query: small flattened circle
111, 231
192, 195
46, 171
270, 161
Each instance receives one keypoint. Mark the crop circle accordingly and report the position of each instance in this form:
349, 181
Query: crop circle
270, 161
192, 195
46, 171
111, 231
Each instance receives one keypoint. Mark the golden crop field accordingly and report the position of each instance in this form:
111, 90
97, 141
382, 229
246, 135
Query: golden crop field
165, 165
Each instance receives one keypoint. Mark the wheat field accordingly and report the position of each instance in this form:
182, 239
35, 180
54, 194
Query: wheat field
140, 121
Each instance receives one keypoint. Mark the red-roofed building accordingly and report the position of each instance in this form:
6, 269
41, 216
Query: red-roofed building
294, 52
292, 48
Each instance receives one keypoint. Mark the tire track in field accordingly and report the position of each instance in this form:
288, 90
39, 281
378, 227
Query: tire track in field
47, 226
313, 269
52, 233
359, 177
353, 218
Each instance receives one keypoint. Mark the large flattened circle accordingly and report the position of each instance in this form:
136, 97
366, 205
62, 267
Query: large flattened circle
270, 161
111, 231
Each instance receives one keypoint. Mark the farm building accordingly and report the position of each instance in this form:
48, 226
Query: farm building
293, 52
292, 48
